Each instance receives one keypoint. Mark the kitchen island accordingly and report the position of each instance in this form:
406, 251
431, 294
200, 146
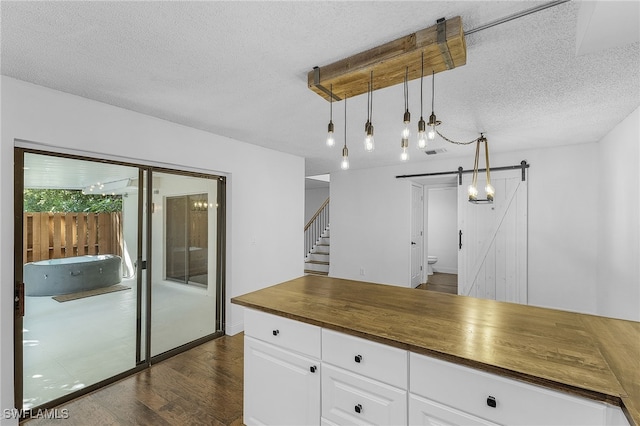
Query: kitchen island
574, 354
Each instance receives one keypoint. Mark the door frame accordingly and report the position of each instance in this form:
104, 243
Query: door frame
21, 147
414, 219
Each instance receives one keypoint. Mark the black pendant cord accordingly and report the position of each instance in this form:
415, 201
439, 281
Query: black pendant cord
421, 78
371, 102
433, 90
368, 102
345, 123
331, 104
406, 89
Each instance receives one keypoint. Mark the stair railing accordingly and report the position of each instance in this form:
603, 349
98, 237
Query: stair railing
315, 227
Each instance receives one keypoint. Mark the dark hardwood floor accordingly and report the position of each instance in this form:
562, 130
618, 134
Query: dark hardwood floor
445, 283
202, 386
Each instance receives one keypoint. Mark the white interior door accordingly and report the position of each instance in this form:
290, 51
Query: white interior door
417, 235
492, 258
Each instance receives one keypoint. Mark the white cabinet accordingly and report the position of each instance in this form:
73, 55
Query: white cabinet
424, 412
363, 382
375, 360
281, 384
352, 399
498, 399
300, 374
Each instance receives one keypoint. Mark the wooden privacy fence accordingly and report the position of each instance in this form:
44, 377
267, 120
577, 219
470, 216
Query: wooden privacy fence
57, 235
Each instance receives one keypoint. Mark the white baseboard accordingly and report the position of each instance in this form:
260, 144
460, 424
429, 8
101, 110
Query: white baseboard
446, 270
233, 329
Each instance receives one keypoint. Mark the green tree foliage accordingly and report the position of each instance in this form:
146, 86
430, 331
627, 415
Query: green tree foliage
63, 200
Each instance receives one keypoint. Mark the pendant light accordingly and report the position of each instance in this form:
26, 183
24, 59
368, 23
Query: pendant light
330, 139
473, 188
433, 122
422, 136
369, 143
404, 144
344, 165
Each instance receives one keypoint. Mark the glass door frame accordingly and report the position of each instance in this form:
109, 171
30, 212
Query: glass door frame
220, 277
142, 362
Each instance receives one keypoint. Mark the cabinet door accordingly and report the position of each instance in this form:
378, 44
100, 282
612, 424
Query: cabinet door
351, 399
424, 412
280, 387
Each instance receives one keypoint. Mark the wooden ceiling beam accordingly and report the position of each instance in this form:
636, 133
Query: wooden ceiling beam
443, 46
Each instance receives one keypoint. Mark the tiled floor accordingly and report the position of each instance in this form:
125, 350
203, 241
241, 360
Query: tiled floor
70, 345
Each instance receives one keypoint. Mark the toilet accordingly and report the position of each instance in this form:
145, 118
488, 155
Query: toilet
430, 261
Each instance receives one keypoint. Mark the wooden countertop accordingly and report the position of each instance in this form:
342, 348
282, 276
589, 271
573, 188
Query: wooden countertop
591, 356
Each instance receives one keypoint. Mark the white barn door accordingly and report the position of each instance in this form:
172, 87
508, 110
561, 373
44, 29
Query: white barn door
492, 255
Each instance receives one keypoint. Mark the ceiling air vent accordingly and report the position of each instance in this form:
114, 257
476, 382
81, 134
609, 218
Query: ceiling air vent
435, 151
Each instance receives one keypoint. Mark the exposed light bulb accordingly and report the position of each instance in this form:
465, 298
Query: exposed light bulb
369, 142
431, 131
422, 136
404, 144
344, 165
404, 156
473, 192
431, 134
490, 190
422, 140
330, 139
406, 131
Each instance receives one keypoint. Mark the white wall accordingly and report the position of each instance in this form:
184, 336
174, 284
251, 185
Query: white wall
370, 222
370, 226
262, 248
313, 199
618, 286
442, 228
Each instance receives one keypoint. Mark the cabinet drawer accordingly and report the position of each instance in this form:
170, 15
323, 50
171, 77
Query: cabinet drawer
516, 403
348, 398
375, 360
423, 412
280, 387
294, 335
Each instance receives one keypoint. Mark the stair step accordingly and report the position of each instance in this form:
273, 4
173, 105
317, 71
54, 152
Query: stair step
309, 272
317, 262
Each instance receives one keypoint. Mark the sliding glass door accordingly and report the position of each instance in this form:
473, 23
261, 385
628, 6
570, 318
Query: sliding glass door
185, 297
117, 265
79, 238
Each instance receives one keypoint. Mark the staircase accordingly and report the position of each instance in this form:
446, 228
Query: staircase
317, 261
316, 242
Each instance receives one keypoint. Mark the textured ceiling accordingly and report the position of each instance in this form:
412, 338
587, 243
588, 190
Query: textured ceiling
239, 69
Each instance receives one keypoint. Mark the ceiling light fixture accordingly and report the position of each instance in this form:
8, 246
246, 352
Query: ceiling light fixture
404, 144
369, 143
330, 139
473, 188
344, 165
433, 122
422, 137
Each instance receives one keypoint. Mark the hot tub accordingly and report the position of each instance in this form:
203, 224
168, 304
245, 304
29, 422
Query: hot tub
71, 274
